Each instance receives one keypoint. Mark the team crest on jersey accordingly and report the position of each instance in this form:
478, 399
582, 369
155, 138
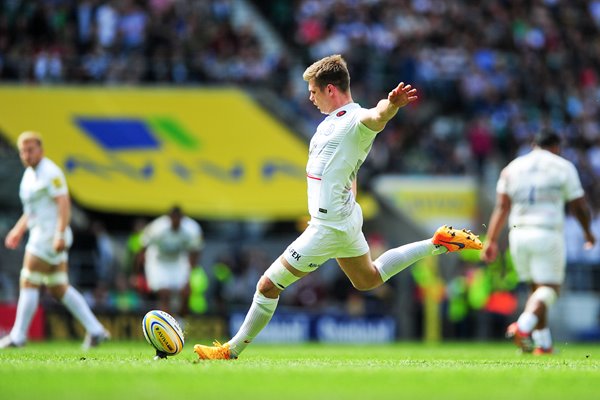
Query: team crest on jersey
340, 113
57, 183
329, 130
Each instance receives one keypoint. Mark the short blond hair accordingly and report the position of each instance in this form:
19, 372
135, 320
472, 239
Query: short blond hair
329, 70
27, 136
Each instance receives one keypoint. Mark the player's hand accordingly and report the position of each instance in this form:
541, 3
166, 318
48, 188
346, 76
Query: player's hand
402, 95
13, 239
489, 252
590, 241
59, 244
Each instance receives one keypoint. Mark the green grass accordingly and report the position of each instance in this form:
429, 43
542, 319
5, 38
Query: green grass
125, 370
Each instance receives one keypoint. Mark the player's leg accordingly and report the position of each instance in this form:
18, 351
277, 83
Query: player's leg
184, 299
297, 261
58, 285
276, 278
366, 274
163, 299
539, 257
32, 276
264, 303
539, 304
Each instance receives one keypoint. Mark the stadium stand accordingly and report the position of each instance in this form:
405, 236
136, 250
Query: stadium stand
490, 75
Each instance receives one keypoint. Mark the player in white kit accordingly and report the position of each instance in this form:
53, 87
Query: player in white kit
46, 214
172, 244
532, 192
337, 150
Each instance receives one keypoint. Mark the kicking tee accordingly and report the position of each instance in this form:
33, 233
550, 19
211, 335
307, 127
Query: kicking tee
337, 150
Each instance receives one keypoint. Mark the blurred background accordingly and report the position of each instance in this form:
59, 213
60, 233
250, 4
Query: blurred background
148, 104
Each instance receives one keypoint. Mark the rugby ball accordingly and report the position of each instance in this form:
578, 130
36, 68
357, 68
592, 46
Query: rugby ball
162, 331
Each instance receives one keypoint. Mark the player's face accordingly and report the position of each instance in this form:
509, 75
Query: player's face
175, 221
31, 153
319, 97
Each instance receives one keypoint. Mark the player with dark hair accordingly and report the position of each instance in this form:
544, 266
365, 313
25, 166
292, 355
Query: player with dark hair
171, 248
337, 150
531, 193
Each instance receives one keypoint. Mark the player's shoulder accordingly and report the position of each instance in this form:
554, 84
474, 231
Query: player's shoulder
48, 171
345, 113
48, 167
557, 161
190, 224
161, 222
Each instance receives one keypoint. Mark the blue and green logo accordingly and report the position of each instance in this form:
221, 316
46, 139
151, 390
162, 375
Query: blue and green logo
127, 134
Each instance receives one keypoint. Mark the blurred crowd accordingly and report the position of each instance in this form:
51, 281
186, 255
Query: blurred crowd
489, 74
127, 42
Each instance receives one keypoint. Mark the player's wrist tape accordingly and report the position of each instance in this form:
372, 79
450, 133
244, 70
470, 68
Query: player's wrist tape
60, 235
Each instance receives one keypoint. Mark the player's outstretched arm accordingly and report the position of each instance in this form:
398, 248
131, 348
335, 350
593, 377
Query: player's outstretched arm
377, 117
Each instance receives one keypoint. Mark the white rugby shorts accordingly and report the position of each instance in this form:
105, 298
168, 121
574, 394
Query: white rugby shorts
538, 254
323, 240
166, 275
40, 244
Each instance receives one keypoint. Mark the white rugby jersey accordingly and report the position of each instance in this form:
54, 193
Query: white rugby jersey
39, 187
337, 150
539, 184
168, 246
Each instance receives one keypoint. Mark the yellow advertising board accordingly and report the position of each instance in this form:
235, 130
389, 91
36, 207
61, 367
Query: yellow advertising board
431, 201
212, 151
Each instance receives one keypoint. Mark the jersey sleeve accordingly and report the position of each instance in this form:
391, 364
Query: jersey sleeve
148, 234
502, 184
196, 238
364, 130
56, 183
573, 189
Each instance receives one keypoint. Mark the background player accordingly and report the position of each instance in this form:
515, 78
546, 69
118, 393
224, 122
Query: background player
172, 245
532, 191
46, 214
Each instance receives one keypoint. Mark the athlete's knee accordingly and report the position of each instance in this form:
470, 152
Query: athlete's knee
368, 281
275, 279
545, 294
58, 291
267, 288
365, 285
31, 278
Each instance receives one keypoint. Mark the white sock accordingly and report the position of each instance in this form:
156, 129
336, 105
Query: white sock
395, 260
80, 309
542, 338
259, 315
26, 307
527, 321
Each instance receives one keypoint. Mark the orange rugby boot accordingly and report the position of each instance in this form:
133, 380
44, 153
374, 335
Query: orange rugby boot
217, 351
455, 239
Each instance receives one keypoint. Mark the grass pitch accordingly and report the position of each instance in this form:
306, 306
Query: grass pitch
125, 370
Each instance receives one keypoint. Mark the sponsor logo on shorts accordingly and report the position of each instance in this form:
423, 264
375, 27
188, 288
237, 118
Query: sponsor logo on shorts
294, 254
313, 265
